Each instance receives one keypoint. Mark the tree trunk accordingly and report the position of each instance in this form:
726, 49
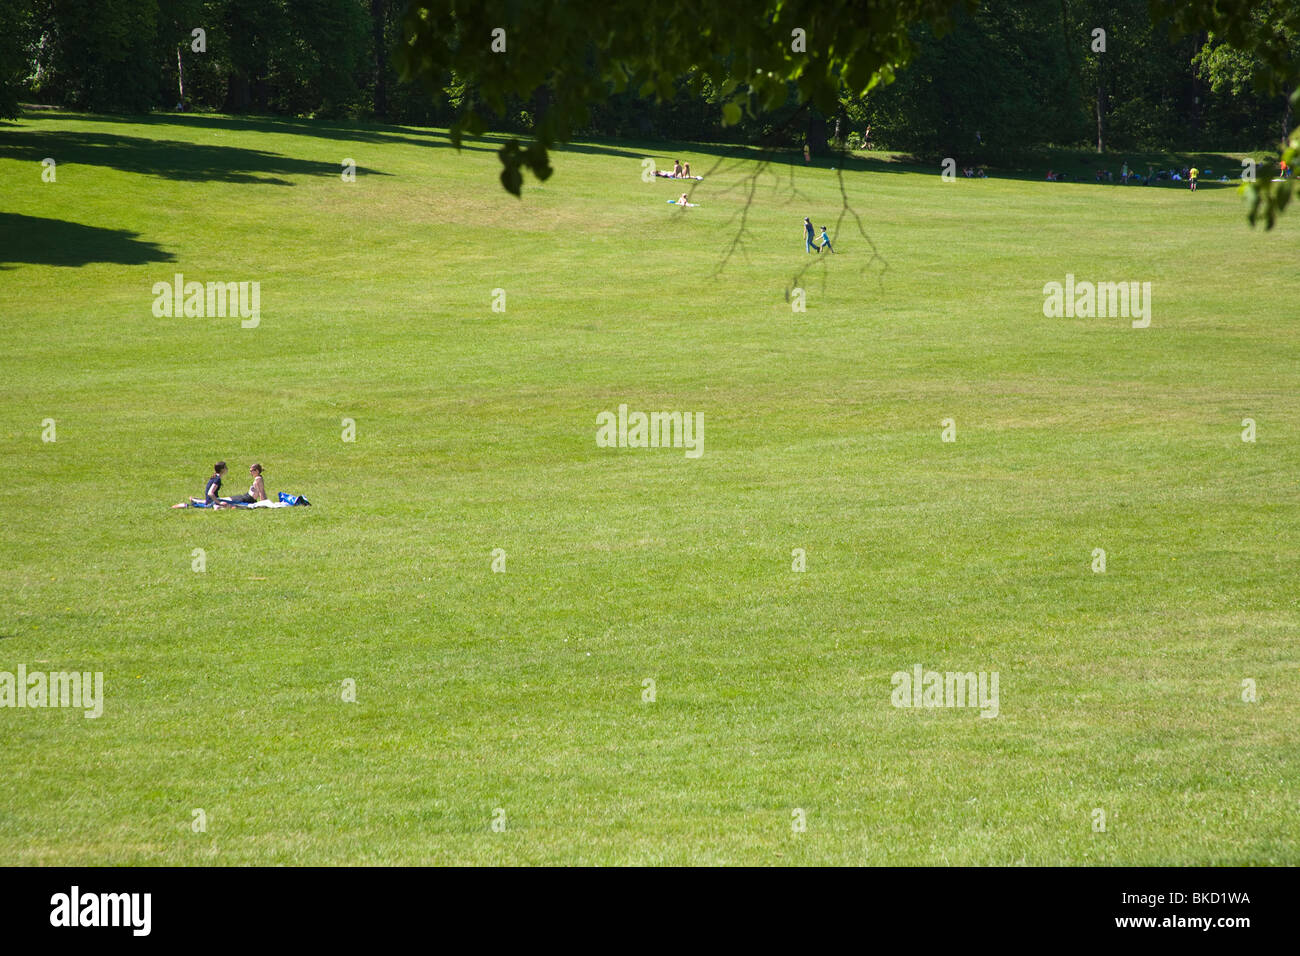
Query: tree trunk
237, 95
541, 104
1101, 102
1101, 110
378, 16
180, 74
817, 135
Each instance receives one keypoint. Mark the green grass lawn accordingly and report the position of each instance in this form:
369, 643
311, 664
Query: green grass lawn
519, 695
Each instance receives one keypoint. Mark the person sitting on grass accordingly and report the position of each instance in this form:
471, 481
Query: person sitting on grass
677, 169
256, 491
826, 241
211, 492
686, 170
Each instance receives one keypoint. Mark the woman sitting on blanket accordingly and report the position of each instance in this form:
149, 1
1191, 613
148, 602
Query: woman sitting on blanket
256, 491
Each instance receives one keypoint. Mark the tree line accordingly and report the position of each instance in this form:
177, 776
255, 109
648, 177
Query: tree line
933, 77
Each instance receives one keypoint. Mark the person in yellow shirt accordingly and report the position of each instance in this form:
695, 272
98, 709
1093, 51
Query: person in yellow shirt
1191, 177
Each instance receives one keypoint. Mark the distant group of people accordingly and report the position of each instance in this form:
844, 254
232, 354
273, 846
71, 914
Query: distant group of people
680, 171
1188, 174
810, 238
212, 491
973, 172
1126, 176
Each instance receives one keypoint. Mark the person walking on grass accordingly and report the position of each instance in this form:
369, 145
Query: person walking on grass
1191, 178
826, 242
809, 234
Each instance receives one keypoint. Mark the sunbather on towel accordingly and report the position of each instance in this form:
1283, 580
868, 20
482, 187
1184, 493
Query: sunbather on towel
256, 492
664, 174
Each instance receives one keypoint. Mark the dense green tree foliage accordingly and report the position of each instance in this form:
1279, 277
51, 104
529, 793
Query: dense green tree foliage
15, 44
935, 77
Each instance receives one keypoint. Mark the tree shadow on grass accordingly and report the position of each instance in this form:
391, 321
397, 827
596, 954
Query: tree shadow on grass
378, 133
56, 242
168, 159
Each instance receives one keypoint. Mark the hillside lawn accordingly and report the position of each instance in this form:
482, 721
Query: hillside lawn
519, 696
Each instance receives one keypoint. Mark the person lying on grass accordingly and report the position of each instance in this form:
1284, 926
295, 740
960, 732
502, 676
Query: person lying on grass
686, 174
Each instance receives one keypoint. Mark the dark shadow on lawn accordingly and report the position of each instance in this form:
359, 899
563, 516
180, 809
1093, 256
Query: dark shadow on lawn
56, 242
1080, 167
377, 133
322, 129
169, 159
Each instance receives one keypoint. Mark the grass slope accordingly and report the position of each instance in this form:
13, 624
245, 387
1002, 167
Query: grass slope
522, 691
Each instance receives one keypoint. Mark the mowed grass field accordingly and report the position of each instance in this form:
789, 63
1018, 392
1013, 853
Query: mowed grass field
521, 696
